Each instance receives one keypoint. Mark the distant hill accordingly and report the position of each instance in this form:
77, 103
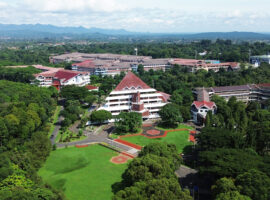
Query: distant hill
34, 31
229, 35
59, 30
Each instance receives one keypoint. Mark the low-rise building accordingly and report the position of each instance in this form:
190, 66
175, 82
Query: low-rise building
194, 65
257, 60
132, 94
245, 93
111, 64
92, 88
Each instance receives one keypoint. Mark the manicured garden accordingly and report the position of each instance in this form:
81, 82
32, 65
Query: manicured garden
83, 173
179, 138
69, 136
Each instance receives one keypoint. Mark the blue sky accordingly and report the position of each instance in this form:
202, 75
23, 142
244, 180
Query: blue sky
142, 15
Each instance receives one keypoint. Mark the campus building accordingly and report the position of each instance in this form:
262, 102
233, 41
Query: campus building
257, 60
245, 93
202, 106
112, 64
59, 77
133, 95
194, 65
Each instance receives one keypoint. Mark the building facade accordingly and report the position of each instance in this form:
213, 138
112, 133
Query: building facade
59, 77
194, 65
133, 95
202, 106
245, 93
257, 60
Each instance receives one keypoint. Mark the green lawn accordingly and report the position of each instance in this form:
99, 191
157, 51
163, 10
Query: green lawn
179, 127
83, 173
179, 138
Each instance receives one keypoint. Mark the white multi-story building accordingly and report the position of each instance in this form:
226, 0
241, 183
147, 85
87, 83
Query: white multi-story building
133, 95
59, 77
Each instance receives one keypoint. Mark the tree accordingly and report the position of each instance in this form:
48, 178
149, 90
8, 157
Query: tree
228, 162
90, 99
185, 112
128, 122
5, 167
140, 69
72, 92
177, 99
212, 138
155, 189
170, 115
254, 184
168, 151
100, 116
232, 195
225, 189
3, 132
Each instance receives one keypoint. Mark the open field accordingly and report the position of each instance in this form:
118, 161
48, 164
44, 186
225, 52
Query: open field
179, 138
180, 126
83, 173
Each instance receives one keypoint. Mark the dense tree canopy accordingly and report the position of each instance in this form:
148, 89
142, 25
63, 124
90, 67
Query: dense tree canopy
170, 115
128, 122
100, 116
24, 114
151, 175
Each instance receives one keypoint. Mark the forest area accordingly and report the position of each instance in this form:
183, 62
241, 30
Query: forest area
25, 112
28, 53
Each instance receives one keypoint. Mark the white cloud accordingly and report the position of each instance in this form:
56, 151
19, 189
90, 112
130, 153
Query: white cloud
139, 15
74, 5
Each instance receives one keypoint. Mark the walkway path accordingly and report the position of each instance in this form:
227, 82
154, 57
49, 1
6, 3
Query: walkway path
101, 137
56, 128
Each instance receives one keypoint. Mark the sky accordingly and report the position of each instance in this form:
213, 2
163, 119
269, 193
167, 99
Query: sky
159, 16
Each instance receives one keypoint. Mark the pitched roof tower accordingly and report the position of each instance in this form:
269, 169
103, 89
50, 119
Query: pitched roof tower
131, 82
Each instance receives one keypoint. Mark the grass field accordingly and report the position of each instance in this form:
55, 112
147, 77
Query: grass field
179, 138
83, 173
179, 127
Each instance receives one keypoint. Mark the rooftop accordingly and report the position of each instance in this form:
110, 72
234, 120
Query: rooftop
231, 88
207, 104
131, 81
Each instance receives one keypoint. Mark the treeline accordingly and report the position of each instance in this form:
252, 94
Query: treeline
233, 150
25, 111
223, 50
24, 75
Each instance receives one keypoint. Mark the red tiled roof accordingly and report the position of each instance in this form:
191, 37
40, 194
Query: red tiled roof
208, 104
86, 63
65, 75
165, 97
131, 80
91, 87
264, 85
